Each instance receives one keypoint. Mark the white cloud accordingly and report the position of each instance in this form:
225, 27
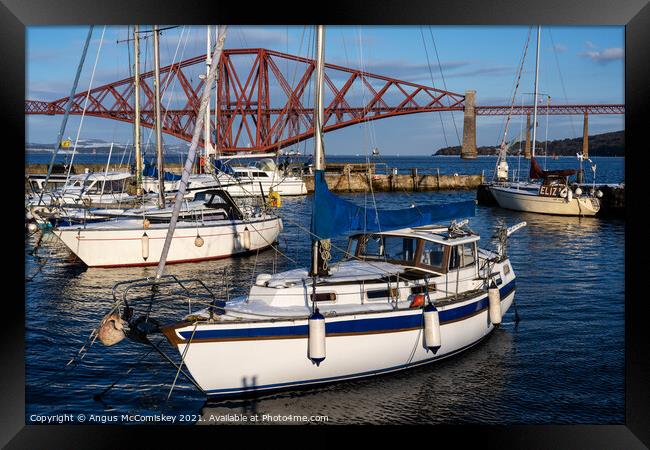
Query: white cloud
560, 48
604, 56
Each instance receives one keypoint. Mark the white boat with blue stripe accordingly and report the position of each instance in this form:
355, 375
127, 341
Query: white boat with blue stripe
372, 303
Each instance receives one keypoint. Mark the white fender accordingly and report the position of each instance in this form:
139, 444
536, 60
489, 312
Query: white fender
316, 350
145, 246
198, 241
246, 239
494, 300
432, 340
569, 195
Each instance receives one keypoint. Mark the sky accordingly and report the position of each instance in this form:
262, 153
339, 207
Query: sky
577, 65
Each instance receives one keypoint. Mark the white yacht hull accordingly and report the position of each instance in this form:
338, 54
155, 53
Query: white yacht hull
290, 186
111, 246
530, 201
238, 187
229, 359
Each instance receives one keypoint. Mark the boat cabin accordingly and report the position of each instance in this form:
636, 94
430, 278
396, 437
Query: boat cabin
429, 249
98, 183
219, 205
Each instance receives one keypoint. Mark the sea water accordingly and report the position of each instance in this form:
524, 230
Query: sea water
562, 363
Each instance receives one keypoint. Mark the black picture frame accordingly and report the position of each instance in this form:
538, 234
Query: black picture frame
634, 14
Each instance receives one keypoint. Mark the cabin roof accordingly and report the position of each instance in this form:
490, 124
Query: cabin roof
434, 233
101, 176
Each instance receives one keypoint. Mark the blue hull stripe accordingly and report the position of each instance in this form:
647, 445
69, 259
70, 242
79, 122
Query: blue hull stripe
384, 324
230, 391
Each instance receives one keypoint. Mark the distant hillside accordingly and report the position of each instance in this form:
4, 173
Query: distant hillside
606, 144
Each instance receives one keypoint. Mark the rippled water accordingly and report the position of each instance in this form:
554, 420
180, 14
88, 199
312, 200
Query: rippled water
563, 363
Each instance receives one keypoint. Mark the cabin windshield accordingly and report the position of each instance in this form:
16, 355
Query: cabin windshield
106, 187
395, 249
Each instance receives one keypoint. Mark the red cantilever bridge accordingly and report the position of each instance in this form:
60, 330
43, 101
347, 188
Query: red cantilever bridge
264, 100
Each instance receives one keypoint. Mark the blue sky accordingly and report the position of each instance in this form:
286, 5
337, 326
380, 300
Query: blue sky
577, 65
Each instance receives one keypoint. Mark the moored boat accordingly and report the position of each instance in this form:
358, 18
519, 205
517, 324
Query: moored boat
219, 230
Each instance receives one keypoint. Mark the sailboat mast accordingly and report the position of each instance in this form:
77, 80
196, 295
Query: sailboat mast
207, 147
159, 149
319, 154
136, 105
539, 28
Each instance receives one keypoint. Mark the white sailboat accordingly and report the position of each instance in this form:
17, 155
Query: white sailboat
219, 230
554, 195
399, 299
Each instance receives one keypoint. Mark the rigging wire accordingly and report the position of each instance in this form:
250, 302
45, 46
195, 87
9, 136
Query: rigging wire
433, 84
557, 64
444, 83
83, 113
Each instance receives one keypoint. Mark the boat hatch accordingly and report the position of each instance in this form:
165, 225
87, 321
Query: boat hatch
220, 199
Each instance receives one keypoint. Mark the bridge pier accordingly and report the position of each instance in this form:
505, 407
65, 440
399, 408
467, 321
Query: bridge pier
527, 150
468, 149
585, 136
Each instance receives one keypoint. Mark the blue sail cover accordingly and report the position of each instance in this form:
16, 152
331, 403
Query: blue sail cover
333, 216
223, 167
150, 170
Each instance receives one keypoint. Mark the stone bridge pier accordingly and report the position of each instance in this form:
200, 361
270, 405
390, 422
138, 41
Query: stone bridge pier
468, 149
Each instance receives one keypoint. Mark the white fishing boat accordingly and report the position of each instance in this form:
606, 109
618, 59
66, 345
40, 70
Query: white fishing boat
219, 230
259, 179
255, 180
407, 292
554, 195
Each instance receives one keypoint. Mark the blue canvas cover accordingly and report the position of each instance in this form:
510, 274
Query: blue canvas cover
333, 216
223, 167
150, 170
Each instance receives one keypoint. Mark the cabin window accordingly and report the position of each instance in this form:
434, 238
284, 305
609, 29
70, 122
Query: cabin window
463, 255
399, 249
432, 254
353, 244
371, 246
262, 174
469, 257
455, 257
390, 248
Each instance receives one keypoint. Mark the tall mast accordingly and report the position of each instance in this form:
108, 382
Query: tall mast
539, 28
136, 123
189, 162
319, 154
207, 147
159, 149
